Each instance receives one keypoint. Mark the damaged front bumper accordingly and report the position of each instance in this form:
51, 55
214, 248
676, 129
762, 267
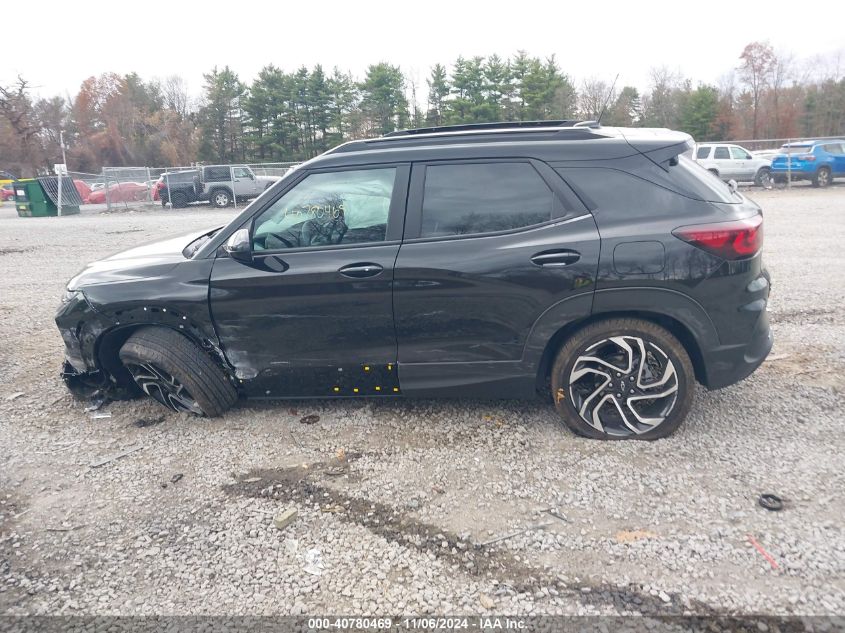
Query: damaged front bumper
80, 325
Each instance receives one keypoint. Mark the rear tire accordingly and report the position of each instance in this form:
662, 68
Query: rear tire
221, 198
601, 381
179, 200
822, 177
177, 374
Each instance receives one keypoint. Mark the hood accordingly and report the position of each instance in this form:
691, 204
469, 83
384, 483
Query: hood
154, 259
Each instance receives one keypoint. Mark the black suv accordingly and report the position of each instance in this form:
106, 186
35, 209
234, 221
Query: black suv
594, 266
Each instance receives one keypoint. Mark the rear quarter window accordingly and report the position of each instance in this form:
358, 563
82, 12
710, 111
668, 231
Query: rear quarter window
703, 152
607, 188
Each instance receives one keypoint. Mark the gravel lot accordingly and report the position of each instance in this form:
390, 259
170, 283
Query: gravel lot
397, 496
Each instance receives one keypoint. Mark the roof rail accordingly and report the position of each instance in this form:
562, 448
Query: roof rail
498, 125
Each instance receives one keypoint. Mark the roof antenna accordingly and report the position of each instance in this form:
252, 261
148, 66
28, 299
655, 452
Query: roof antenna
607, 100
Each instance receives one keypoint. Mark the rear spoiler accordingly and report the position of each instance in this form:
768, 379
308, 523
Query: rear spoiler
659, 145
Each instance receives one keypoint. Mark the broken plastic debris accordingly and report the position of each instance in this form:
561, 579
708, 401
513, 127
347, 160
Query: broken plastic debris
310, 419
313, 563
100, 415
98, 399
12, 396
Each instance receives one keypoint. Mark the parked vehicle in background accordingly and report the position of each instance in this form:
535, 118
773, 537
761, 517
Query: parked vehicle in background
178, 188
6, 177
82, 189
120, 192
217, 184
598, 268
733, 162
7, 192
817, 161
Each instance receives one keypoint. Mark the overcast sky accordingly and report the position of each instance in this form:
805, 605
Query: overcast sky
700, 39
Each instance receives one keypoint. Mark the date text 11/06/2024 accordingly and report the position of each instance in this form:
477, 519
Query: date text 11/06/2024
486, 623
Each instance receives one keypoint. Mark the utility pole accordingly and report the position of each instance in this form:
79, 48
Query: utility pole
61, 171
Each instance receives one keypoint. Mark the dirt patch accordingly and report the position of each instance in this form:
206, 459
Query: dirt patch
303, 484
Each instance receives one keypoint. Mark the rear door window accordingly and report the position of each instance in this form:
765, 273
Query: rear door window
722, 153
466, 199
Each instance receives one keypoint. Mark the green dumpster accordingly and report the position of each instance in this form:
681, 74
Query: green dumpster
36, 198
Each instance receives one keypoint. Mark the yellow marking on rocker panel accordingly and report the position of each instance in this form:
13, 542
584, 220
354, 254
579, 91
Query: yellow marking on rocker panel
396, 389
335, 389
378, 388
366, 368
355, 389
389, 366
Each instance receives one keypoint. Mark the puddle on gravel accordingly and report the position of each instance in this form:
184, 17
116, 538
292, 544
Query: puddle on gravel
309, 485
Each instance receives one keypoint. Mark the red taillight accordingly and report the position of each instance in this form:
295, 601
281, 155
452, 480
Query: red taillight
730, 240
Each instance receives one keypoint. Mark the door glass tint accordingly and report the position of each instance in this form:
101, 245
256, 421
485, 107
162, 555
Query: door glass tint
737, 153
721, 152
344, 207
703, 152
483, 198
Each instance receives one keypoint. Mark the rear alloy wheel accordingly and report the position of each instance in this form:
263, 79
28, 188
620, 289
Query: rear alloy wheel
174, 372
763, 178
822, 177
221, 198
623, 379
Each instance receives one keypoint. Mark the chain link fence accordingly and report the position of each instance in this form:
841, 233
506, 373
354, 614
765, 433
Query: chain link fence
123, 188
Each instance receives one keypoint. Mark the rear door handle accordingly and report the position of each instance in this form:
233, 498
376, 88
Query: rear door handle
556, 259
357, 271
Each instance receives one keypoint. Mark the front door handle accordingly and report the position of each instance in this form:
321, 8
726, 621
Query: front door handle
556, 259
357, 271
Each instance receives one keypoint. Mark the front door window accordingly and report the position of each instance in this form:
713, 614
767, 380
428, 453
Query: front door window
334, 208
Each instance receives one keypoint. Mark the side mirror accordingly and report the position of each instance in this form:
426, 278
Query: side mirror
732, 185
239, 246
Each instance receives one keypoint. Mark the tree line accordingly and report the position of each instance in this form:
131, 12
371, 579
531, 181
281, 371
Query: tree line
119, 120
